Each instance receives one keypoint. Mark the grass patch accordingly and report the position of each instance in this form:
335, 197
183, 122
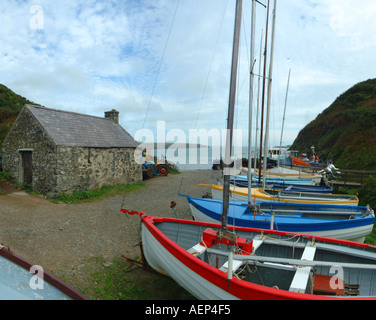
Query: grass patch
367, 196
26, 187
371, 238
98, 194
120, 280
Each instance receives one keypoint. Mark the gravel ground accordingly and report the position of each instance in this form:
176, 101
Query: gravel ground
62, 238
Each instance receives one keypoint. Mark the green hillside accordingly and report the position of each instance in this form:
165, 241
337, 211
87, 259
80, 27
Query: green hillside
10, 105
346, 131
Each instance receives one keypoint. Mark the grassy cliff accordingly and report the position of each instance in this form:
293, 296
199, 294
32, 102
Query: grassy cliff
10, 105
346, 131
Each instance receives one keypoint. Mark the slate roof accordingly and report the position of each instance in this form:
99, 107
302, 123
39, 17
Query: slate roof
80, 130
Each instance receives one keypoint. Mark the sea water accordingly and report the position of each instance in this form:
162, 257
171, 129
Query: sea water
192, 158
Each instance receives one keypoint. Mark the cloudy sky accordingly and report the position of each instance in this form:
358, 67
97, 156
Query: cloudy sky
169, 60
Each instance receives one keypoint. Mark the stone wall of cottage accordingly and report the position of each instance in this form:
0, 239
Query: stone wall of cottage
90, 168
63, 169
27, 134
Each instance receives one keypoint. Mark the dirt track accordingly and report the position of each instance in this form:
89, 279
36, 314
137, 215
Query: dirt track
63, 237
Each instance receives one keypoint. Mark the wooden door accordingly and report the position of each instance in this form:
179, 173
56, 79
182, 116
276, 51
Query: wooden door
27, 167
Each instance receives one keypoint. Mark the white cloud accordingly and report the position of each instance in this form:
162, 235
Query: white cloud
92, 55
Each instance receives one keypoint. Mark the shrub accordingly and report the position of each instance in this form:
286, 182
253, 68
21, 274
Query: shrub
367, 194
5, 176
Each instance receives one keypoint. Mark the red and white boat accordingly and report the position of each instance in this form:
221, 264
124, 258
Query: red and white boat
265, 264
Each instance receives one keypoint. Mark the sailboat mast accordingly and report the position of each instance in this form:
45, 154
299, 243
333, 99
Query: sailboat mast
263, 87
251, 102
230, 119
284, 117
258, 107
269, 95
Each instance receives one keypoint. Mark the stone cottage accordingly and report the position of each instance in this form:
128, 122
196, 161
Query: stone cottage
60, 152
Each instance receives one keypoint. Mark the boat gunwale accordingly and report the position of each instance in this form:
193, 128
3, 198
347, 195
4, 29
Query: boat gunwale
301, 194
48, 277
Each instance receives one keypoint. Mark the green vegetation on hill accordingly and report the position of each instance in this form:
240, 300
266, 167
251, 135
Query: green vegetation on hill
10, 105
345, 132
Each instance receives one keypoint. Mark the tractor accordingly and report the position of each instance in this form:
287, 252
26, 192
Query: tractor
151, 169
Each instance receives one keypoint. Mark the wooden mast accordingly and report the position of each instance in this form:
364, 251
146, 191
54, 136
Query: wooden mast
230, 122
284, 118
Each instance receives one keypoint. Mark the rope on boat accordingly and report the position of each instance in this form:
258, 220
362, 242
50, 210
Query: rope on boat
293, 247
278, 239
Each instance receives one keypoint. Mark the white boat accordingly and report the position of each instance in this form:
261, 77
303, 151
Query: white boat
276, 180
18, 281
277, 153
275, 196
285, 173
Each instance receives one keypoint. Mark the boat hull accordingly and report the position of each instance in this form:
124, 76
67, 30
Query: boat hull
346, 230
18, 283
202, 281
164, 261
286, 186
276, 180
296, 175
242, 194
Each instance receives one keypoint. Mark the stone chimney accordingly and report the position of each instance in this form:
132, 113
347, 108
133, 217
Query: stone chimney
112, 115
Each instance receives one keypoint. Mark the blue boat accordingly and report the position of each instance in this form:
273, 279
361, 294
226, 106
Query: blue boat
339, 222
